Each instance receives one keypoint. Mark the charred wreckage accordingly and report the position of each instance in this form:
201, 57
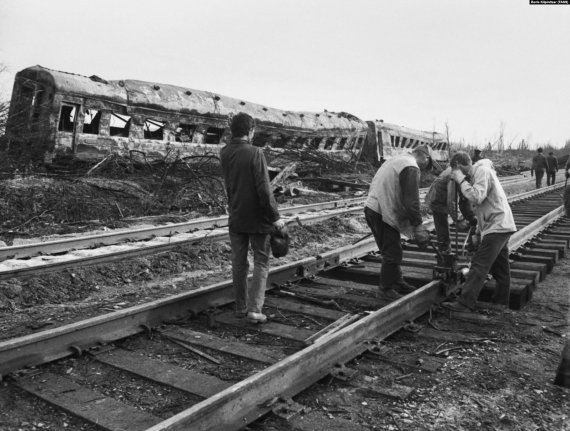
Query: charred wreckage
56, 114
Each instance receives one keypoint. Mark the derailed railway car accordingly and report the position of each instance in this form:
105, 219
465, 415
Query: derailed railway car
56, 114
391, 140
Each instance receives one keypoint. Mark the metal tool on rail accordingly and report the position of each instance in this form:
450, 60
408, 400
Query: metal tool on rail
447, 267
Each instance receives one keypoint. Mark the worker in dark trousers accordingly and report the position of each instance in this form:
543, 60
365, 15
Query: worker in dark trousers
253, 215
393, 208
552, 163
437, 201
539, 166
495, 226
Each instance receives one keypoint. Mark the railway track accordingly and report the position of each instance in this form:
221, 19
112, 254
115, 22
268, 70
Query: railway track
222, 374
29, 260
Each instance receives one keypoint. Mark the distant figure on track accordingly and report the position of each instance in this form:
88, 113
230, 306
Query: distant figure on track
253, 214
539, 166
552, 169
495, 225
393, 208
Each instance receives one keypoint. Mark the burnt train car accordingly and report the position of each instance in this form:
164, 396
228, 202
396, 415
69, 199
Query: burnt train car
391, 140
56, 114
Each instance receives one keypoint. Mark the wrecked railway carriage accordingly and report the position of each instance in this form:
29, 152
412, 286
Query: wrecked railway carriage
56, 114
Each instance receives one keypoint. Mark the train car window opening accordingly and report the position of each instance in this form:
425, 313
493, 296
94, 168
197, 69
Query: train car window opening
360, 142
350, 144
38, 101
67, 118
25, 100
316, 143
329, 144
153, 129
91, 121
392, 141
342, 143
397, 141
184, 132
260, 139
280, 142
300, 142
213, 135
120, 125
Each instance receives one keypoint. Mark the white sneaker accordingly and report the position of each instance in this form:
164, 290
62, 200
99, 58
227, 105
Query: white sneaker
256, 317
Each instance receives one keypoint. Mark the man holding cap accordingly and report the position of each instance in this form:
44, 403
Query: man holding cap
495, 226
393, 208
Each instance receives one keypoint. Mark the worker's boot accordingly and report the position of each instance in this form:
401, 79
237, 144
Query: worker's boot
388, 295
403, 287
256, 317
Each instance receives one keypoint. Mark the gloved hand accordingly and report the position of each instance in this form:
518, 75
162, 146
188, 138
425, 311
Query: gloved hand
279, 224
421, 236
457, 175
462, 226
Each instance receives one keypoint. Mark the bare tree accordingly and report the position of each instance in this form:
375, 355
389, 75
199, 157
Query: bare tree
4, 105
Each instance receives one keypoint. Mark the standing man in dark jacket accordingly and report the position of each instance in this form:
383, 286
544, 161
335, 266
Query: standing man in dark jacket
552, 169
539, 166
393, 208
253, 214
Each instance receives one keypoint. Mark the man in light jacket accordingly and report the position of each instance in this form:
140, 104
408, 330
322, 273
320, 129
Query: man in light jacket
393, 208
495, 224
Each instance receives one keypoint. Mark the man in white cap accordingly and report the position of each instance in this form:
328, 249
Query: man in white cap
393, 208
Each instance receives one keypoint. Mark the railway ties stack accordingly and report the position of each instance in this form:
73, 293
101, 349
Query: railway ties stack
230, 372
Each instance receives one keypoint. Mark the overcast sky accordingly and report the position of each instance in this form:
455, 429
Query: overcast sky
473, 64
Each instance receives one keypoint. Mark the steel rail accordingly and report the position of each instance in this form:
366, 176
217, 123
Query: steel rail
42, 265
112, 238
249, 399
45, 264
63, 341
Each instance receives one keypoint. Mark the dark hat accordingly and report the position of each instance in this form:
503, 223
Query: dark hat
539, 150
476, 150
279, 242
422, 149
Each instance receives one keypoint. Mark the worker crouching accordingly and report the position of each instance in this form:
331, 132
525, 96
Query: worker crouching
393, 208
495, 225
437, 199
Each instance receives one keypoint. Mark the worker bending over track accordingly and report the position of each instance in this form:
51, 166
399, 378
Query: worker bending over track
495, 225
437, 200
393, 208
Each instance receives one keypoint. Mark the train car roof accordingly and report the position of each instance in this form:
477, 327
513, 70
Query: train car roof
171, 98
411, 133
73, 84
